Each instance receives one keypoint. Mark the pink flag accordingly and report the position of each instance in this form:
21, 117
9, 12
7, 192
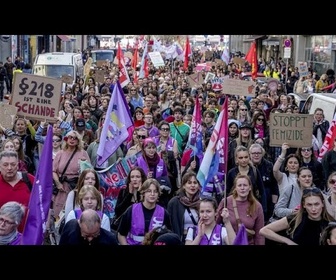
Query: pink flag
215, 157
115, 128
328, 140
195, 136
226, 56
40, 197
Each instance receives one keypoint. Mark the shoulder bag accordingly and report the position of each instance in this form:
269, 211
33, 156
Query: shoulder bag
250, 232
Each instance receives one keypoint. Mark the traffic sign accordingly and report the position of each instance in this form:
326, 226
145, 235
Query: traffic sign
288, 43
287, 52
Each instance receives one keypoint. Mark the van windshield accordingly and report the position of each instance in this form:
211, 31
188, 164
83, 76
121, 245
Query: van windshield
53, 71
96, 56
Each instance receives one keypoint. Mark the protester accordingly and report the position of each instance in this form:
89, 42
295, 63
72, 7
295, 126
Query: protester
143, 216
183, 208
11, 215
12, 184
328, 235
90, 198
304, 227
208, 232
87, 231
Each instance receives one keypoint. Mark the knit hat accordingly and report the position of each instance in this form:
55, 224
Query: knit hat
169, 238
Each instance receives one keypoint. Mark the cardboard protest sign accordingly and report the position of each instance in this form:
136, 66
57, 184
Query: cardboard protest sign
100, 76
294, 129
68, 79
208, 55
36, 97
7, 115
238, 60
195, 80
238, 87
220, 62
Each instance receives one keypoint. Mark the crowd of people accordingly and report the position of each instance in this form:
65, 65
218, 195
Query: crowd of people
282, 195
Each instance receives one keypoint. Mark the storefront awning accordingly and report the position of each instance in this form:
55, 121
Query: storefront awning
252, 38
272, 41
64, 38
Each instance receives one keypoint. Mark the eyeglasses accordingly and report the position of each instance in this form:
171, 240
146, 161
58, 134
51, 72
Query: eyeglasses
6, 222
142, 136
165, 129
152, 191
72, 137
256, 153
260, 119
305, 150
332, 181
57, 140
311, 190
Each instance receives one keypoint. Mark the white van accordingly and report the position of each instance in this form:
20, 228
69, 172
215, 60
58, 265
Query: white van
325, 101
57, 64
103, 55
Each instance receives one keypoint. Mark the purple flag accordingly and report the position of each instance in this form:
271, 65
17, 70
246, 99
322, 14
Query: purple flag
241, 237
40, 197
115, 128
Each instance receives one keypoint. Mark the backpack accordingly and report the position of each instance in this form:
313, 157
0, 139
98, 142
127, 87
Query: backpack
25, 178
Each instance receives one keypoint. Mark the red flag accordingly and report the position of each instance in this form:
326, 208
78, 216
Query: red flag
328, 140
134, 61
187, 52
251, 57
120, 56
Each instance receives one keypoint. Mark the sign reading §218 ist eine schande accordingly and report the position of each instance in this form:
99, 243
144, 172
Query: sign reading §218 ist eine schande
36, 97
294, 129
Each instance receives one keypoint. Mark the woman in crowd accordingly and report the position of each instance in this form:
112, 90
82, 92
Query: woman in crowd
245, 138
245, 209
168, 151
143, 216
208, 232
328, 235
183, 208
24, 129
330, 196
67, 161
89, 198
8, 145
233, 129
129, 195
11, 215
291, 165
245, 166
290, 198
304, 227
87, 177
307, 158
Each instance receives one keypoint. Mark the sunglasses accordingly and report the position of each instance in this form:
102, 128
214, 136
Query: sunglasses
332, 181
305, 150
72, 137
243, 109
142, 136
311, 190
260, 119
165, 129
